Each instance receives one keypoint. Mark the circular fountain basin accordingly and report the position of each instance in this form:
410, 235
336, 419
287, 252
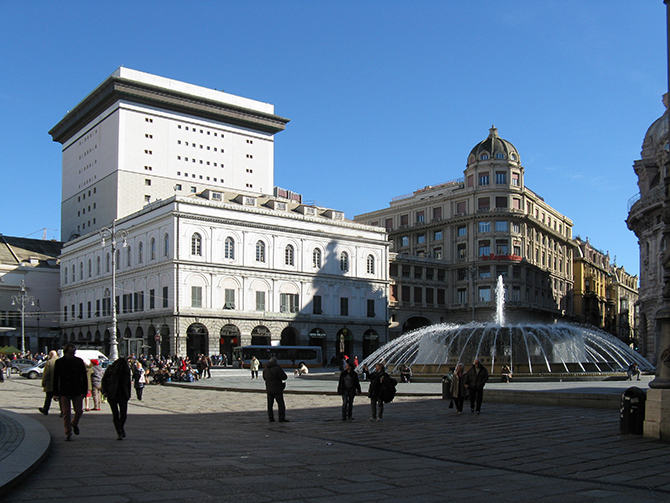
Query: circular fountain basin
558, 350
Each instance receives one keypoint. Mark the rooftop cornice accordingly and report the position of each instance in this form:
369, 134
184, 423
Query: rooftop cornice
115, 89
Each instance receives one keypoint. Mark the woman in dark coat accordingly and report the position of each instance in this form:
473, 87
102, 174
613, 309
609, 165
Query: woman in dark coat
458, 389
116, 387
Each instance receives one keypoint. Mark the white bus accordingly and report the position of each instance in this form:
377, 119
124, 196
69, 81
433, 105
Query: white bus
287, 356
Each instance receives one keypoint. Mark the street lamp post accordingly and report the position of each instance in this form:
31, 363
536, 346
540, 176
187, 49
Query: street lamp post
21, 300
113, 234
474, 270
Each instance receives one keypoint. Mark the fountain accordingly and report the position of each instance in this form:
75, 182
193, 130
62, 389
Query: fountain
559, 350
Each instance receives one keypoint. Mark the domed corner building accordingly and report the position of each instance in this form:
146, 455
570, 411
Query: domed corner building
645, 219
451, 241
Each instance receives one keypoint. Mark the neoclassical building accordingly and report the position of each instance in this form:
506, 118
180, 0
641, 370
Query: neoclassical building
209, 253
452, 241
645, 219
212, 271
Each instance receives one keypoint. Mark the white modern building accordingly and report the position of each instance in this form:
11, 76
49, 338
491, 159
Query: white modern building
214, 255
138, 138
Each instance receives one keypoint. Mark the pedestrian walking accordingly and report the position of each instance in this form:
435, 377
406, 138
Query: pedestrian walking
139, 380
116, 387
348, 387
255, 365
458, 389
96, 383
48, 382
70, 386
274, 377
475, 379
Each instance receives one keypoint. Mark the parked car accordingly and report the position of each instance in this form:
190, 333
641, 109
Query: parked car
21, 363
35, 371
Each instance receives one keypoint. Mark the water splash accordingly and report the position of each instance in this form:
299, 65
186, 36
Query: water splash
525, 348
500, 302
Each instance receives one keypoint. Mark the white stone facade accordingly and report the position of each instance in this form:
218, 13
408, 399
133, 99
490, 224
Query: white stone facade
211, 269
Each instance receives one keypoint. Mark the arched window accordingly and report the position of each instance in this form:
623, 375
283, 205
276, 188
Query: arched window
344, 262
97, 265
260, 251
152, 249
118, 259
196, 245
316, 258
289, 254
66, 275
371, 264
107, 262
90, 268
166, 245
81, 270
484, 157
129, 256
500, 155
229, 248
140, 252
74, 273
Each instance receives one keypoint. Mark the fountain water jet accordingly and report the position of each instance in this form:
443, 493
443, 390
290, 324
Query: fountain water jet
561, 349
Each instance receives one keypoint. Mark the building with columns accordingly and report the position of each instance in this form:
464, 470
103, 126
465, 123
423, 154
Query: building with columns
450, 243
645, 219
214, 255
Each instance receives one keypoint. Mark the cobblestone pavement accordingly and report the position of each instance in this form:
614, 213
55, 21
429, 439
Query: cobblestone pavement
204, 445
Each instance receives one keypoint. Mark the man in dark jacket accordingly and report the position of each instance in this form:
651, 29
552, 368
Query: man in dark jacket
274, 375
375, 392
475, 379
70, 385
348, 386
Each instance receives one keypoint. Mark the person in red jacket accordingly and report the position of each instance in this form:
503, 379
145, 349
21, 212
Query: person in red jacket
70, 385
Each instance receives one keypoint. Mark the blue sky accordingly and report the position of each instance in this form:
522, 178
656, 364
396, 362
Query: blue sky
384, 97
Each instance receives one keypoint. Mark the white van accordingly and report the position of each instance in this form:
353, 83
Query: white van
87, 355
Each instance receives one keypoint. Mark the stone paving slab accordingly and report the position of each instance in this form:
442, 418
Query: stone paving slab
24, 442
204, 445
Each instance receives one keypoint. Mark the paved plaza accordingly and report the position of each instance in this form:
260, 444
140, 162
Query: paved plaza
193, 443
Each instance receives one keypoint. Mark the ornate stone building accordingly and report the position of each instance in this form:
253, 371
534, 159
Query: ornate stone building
604, 294
450, 243
645, 219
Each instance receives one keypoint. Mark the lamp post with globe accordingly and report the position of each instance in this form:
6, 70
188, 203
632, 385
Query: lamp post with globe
22, 299
113, 234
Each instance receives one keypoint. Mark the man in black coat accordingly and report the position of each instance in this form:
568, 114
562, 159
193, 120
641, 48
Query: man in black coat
71, 386
475, 379
274, 375
348, 387
375, 392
